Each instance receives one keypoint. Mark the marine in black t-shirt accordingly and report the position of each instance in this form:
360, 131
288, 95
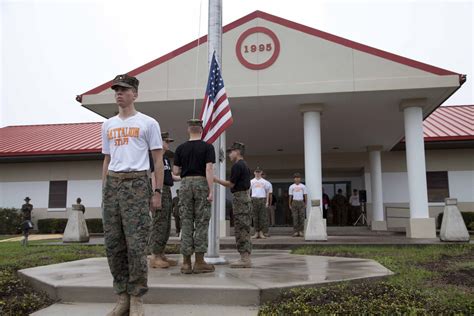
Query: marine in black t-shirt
240, 176
192, 157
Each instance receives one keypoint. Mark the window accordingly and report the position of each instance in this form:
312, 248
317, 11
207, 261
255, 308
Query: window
57, 194
438, 186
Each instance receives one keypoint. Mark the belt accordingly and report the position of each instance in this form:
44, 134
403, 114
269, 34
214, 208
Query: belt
254, 197
194, 177
127, 175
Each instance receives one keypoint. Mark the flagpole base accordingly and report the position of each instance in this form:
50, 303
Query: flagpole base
217, 260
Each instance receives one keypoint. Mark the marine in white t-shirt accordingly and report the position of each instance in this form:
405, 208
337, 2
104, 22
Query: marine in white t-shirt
259, 188
127, 141
298, 191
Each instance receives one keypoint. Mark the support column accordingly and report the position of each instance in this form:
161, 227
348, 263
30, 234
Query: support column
316, 224
420, 224
378, 219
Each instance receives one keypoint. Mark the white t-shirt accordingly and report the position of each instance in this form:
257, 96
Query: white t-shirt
128, 141
260, 188
354, 200
298, 191
270, 186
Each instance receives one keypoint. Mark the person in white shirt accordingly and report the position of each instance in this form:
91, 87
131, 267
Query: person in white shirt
297, 199
259, 192
127, 194
354, 203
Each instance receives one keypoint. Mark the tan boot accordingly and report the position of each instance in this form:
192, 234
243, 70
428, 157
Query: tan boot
171, 262
296, 234
157, 262
200, 266
122, 307
255, 236
136, 306
186, 268
261, 235
301, 234
244, 261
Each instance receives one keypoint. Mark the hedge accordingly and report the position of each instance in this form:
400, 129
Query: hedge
467, 216
58, 225
10, 221
52, 225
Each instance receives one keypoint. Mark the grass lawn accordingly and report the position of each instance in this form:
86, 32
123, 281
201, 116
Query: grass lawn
431, 279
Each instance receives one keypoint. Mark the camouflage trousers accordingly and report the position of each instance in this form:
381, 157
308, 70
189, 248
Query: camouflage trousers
126, 206
195, 213
260, 214
298, 210
161, 226
242, 208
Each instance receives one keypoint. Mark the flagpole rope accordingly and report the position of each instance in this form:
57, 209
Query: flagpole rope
197, 60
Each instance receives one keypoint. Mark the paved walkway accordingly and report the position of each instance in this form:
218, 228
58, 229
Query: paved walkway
34, 237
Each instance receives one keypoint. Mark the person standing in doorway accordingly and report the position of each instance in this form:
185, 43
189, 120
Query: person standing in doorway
177, 219
354, 204
161, 226
259, 189
194, 162
339, 208
239, 185
127, 194
297, 199
268, 206
326, 203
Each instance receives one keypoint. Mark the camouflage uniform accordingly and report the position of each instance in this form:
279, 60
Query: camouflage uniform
260, 214
161, 225
298, 209
339, 208
195, 213
126, 206
177, 220
242, 208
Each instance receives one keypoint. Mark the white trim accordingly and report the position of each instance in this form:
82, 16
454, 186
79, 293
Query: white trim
57, 209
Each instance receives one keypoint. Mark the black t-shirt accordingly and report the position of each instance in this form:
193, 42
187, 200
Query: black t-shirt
168, 178
192, 157
240, 176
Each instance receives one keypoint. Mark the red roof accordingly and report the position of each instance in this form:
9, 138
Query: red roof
450, 123
447, 123
292, 25
54, 139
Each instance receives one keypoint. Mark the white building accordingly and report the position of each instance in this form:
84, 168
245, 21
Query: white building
302, 100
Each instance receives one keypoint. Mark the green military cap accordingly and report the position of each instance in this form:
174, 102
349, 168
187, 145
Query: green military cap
297, 175
258, 169
166, 137
125, 81
195, 122
27, 199
237, 146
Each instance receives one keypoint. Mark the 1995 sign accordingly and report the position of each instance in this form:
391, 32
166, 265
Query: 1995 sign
268, 47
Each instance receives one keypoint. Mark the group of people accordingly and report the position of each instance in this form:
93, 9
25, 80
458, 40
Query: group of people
345, 211
137, 180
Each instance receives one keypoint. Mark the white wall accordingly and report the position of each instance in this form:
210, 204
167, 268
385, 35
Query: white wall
90, 191
461, 185
12, 194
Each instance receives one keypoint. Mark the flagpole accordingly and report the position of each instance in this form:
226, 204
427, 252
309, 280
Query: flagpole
215, 44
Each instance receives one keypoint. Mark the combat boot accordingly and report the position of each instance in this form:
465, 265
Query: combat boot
186, 268
301, 234
255, 236
171, 262
157, 262
136, 306
244, 261
261, 235
122, 307
200, 266
296, 234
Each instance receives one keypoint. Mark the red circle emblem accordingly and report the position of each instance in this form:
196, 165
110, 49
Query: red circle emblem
268, 48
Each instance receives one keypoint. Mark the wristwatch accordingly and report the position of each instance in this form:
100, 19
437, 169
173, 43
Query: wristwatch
158, 190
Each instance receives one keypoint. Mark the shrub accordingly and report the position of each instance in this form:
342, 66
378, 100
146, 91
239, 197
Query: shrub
10, 221
52, 225
94, 225
468, 218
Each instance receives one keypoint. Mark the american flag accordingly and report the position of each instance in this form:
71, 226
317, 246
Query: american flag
215, 115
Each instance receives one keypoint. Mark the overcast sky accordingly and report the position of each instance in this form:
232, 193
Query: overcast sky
51, 51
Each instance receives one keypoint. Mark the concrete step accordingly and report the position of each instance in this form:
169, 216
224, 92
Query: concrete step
101, 309
89, 280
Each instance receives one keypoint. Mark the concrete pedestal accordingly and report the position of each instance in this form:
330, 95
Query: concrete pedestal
316, 224
378, 226
453, 227
76, 228
421, 228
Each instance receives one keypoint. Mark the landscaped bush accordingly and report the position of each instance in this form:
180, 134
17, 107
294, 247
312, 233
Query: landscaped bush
94, 225
52, 225
467, 216
10, 221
